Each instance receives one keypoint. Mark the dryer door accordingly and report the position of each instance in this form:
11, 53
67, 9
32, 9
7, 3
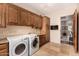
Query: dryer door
21, 48
35, 43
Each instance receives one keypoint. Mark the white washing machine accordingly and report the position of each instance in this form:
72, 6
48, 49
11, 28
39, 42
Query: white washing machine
18, 45
33, 44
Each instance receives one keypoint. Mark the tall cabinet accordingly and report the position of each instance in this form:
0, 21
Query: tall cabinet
45, 31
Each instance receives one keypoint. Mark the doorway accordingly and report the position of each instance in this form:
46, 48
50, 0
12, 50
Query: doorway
67, 29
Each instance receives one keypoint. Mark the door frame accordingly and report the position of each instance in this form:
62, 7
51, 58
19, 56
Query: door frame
75, 30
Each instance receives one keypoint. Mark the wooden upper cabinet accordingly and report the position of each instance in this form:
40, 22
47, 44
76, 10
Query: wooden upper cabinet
24, 17
2, 15
37, 20
12, 14
30, 19
34, 23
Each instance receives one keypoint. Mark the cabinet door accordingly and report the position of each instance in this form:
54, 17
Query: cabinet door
4, 49
2, 15
30, 19
42, 40
24, 18
39, 22
46, 28
35, 21
12, 14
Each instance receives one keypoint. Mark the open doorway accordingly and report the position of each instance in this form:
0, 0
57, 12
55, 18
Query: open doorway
67, 29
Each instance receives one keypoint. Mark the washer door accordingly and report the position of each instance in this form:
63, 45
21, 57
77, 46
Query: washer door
20, 49
35, 43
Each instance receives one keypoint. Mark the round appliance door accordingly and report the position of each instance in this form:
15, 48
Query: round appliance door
20, 48
35, 43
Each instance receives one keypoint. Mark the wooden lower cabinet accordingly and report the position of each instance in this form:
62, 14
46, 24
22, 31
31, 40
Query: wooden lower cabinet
4, 52
12, 14
42, 40
4, 48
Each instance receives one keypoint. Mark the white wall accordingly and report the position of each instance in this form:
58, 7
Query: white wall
55, 34
55, 20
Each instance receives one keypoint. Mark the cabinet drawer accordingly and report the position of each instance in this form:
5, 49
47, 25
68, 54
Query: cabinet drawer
4, 51
3, 46
4, 54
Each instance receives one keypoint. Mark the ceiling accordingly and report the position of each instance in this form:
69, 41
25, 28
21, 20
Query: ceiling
49, 8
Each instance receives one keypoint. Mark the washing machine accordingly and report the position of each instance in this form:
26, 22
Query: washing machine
18, 45
33, 44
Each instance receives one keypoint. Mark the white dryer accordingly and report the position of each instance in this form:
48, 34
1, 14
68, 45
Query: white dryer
33, 44
18, 45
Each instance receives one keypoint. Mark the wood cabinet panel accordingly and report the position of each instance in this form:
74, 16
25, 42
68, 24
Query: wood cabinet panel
37, 21
12, 14
42, 39
24, 18
2, 15
4, 49
46, 29
30, 19
4, 54
34, 23
3, 46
